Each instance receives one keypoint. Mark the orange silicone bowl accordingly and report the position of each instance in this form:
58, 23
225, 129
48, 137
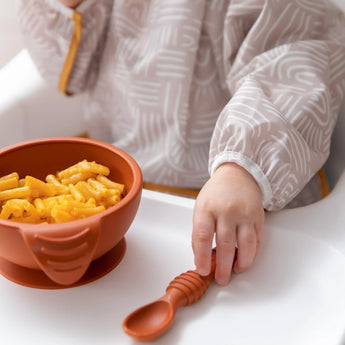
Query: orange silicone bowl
72, 253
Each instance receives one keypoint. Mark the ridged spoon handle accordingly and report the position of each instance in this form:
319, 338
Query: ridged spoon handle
190, 285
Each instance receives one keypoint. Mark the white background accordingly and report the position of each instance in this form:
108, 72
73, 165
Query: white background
10, 36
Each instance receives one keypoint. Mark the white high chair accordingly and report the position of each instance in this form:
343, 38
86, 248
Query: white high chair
29, 108
299, 272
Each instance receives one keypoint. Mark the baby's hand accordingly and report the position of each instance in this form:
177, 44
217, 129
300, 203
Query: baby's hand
229, 206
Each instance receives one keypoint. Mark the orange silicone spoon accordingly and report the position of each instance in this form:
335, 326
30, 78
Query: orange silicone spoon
152, 320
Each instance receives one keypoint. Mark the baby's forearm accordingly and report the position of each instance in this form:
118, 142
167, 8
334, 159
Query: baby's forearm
71, 3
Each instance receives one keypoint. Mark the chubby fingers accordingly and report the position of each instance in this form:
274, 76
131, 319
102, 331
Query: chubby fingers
226, 245
205, 227
247, 244
202, 239
243, 238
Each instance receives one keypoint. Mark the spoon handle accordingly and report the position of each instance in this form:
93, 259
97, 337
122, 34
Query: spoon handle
189, 287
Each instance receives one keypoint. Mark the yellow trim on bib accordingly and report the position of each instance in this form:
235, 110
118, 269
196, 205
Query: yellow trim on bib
187, 192
67, 68
324, 183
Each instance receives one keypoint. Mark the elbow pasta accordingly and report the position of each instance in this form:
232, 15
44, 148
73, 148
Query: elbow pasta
79, 191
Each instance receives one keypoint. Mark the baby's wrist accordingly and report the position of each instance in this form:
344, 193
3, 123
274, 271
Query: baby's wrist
232, 169
71, 3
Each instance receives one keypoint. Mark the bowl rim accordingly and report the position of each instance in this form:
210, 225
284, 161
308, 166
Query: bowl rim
134, 191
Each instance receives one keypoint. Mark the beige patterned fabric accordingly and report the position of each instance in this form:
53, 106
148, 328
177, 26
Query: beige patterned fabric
186, 85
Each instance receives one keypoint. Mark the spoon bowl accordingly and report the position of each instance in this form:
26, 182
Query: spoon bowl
152, 320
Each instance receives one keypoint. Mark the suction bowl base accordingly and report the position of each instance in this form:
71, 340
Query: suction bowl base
37, 279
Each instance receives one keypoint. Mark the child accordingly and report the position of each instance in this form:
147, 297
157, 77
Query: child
236, 97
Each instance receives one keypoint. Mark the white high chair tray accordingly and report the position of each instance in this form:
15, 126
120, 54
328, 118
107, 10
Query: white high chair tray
293, 295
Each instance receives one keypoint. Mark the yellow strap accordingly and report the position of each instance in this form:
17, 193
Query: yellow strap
324, 183
190, 193
193, 193
67, 68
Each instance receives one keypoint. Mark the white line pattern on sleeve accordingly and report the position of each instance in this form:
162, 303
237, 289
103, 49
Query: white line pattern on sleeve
185, 85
